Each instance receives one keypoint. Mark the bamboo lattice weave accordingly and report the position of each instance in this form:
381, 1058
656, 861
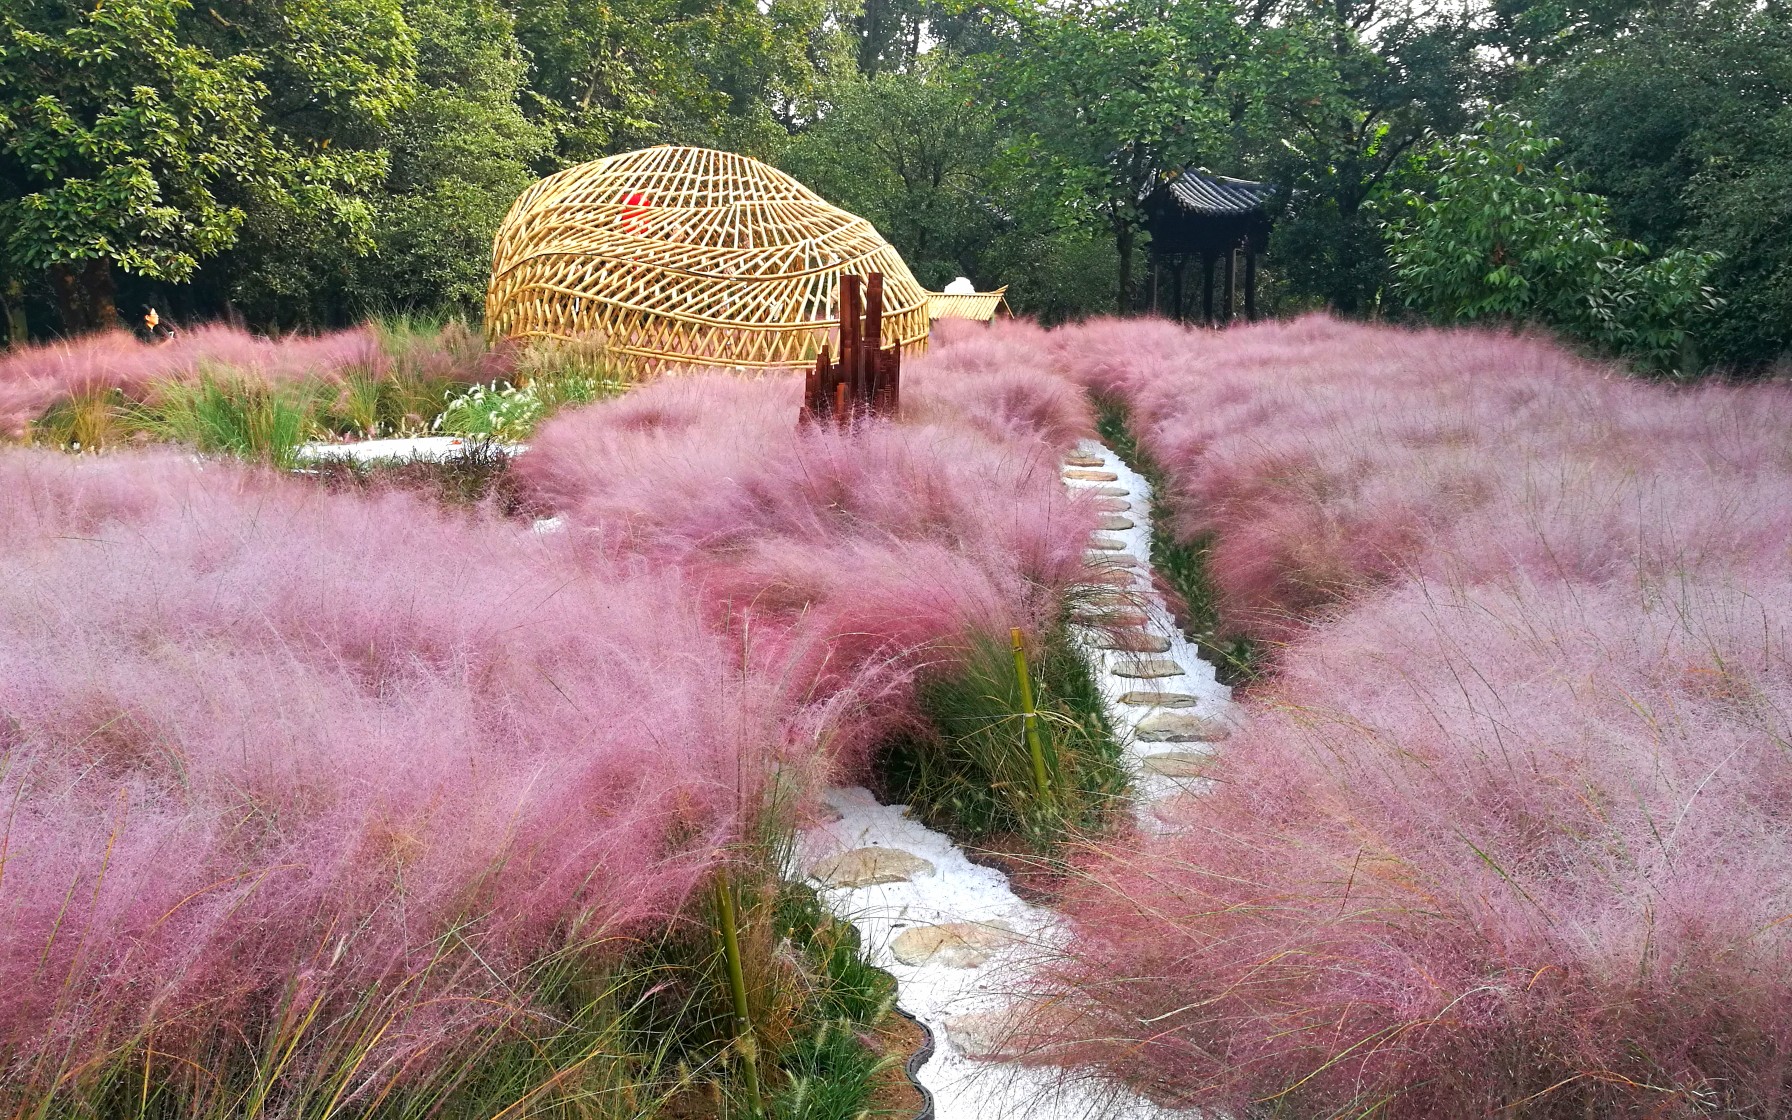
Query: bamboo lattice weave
689, 256
980, 306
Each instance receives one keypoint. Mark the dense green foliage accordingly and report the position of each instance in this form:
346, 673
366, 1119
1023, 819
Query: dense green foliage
1504, 233
308, 162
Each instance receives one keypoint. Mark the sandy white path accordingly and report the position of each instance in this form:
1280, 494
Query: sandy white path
953, 1000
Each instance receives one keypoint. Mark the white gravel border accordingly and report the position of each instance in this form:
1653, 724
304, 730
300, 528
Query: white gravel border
428, 449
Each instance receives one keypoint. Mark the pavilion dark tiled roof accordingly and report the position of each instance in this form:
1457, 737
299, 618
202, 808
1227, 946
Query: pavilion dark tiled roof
1202, 192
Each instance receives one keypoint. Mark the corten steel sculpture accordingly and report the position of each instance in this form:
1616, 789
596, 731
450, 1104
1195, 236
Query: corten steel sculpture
868, 381
689, 257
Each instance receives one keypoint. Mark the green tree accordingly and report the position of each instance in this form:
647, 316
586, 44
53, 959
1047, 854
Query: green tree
911, 151
1384, 79
1111, 97
1506, 234
339, 73
1682, 122
461, 153
116, 137
621, 75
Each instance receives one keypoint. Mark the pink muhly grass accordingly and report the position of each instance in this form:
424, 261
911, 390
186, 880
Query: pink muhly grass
253, 736
1322, 457
1504, 832
1477, 849
37, 377
833, 552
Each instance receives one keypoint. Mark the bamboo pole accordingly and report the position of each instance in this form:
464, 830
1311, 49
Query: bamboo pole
737, 986
1029, 716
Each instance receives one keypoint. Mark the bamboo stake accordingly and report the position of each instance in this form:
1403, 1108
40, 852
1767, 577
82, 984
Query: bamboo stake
1030, 720
737, 986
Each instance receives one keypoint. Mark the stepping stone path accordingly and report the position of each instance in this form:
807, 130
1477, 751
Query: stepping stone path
1159, 699
953, 933
1133, 641
869, 867
1178, 727
1178, 764
1110, 618
1149, 668
954, 944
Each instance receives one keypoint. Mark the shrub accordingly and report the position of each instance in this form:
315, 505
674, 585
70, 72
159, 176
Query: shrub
1505, 234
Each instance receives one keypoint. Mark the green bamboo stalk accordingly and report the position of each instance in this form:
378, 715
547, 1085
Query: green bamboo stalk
1029, 716
737, 986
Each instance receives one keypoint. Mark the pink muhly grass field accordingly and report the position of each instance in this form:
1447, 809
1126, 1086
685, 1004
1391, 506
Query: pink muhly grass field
266, 750
829, 553
1506, 831
34, 378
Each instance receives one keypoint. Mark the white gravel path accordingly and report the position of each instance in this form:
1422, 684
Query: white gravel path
433, 449
956, 890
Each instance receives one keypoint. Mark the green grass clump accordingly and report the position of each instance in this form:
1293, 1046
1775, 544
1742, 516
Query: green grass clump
1182, 564
966, 766
221, 414
89, 421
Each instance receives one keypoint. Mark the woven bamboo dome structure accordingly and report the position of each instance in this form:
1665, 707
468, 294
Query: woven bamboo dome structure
688, 256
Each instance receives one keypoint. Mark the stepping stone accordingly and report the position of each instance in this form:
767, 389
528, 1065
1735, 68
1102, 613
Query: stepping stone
1108, 491
1110, 575
1175, 810
1159, 700
1148, 668
984, 1034
1084, 461
1134, 641
1112, 505
1111, 618
952, 944
1174, 727
1091, 476
1106, 543
1177, 764
1114, 523
1112, 560
867, 867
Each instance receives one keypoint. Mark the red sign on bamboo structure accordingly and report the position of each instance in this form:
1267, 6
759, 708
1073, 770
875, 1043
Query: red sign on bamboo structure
867, 382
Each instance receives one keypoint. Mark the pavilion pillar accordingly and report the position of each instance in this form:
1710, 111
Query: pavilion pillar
1176, 286
1206, 288
1231, 292
1250, 283
1156, 268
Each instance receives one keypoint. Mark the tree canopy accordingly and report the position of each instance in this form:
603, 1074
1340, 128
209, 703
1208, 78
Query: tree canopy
307, 162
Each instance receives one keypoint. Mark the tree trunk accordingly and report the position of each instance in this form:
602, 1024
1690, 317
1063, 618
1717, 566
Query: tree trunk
1123, 237
85, 296
18, 332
